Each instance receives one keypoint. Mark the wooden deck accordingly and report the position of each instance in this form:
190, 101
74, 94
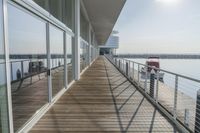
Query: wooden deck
32, 95
103, 101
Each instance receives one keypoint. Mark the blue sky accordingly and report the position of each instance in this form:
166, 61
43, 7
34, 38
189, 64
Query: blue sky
159, 26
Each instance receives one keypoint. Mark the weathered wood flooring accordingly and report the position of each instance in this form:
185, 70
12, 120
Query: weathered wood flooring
31, 96
103, 101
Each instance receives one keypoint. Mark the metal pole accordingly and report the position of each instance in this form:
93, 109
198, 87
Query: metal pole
152, 82
146, 79
197, 117
157, 86
126, 68
119, 64
133, 71
129, 75
22, 68
7, 65
11, 71
175, 96
49, 63
138, 73
122, 65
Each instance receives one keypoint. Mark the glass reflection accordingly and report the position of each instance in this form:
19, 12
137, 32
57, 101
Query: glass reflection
84, 27
69, 59
28, 62
57, 59
83, 55
3, 93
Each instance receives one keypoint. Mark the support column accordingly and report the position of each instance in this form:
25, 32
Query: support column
7, 65
76, 45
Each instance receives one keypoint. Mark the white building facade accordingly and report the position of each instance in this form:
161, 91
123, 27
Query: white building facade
45, 45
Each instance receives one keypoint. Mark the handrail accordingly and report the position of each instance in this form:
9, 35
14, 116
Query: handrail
159, 69
171, 95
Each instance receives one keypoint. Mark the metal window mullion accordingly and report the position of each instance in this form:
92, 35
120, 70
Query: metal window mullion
48, 63
76, 45
7, 60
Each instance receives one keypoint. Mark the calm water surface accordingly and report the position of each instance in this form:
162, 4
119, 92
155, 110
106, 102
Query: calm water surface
187, 67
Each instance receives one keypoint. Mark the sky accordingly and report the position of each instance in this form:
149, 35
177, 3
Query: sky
159, 26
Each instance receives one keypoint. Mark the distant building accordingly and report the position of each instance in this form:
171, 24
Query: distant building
111, 45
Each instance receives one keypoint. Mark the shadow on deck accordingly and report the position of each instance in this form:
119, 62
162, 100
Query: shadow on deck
103, 101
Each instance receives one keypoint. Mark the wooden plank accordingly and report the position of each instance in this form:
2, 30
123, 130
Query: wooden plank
101, 101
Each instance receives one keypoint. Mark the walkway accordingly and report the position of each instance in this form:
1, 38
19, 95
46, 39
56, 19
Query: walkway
103, 101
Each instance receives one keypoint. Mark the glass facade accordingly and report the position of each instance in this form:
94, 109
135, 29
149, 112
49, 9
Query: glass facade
83, 55
28, 64
3, 93
57, 59
43, 3
55, 8
69, 6
63, 10
29, 60
84, 28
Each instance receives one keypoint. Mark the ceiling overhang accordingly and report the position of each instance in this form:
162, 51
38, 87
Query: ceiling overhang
103, 15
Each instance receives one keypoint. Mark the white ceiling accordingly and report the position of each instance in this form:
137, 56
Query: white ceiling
103, 15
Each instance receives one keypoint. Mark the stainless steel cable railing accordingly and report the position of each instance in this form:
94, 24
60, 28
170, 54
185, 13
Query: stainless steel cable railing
177, 94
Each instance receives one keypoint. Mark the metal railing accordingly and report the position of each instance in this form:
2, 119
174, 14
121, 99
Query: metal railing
179, 95
25, 68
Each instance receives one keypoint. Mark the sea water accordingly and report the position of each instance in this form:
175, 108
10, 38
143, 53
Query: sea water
186, 67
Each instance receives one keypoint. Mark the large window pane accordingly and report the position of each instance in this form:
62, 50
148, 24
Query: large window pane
83, 55
3, 92
69, 59
57, 59
43, 3
55, 7
28, 61
84, 27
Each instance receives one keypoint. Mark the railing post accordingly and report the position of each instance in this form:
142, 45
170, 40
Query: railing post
11, 71
138, 73
197, 117
119, 64
22, 68
146, 79
157, 86
175, 96
152, 82
133, 71
186, 118
123, 65
127, 69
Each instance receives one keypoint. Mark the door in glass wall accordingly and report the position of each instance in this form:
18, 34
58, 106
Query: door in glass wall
3, 93
69, 58
57, 59
28, 63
